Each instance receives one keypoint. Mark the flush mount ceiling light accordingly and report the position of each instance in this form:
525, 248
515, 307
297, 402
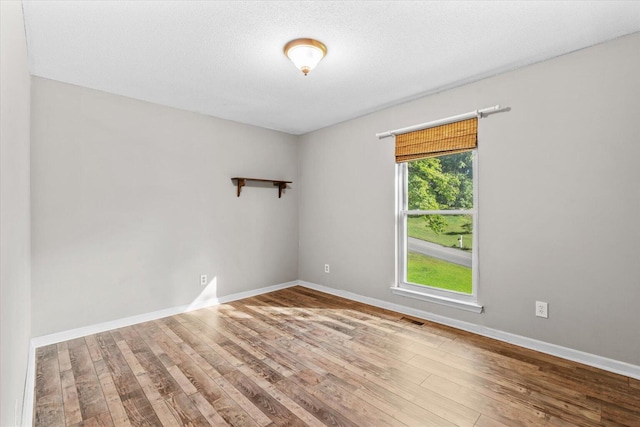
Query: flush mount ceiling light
305, 53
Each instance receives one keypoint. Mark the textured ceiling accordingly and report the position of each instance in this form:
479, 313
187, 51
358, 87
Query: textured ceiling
225, 59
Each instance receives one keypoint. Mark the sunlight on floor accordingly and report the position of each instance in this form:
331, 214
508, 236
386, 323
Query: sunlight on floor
208, 296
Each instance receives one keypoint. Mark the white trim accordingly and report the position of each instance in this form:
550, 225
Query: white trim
29, 387
600, 362
437, 212
432, 294
27, 407
128, 321
475, 261
596, 361
402, 178
437, 299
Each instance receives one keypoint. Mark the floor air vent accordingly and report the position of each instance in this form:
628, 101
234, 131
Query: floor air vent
415, 322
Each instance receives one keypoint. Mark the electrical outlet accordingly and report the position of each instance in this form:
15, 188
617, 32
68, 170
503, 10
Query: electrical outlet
203, 280
542, 309
326, 268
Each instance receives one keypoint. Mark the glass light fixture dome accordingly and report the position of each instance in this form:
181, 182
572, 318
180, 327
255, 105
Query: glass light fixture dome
305, 53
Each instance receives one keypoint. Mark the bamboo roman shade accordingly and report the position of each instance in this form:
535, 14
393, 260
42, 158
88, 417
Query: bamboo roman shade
437, 141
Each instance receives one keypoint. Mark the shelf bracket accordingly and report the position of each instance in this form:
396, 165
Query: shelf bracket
281, 186
241, 183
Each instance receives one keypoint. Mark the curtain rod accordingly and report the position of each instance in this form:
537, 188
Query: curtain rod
478, 113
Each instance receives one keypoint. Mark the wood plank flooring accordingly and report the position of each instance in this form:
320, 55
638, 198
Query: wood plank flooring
297, 357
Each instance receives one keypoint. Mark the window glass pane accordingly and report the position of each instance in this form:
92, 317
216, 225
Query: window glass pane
441, 183
451, 232
439, 251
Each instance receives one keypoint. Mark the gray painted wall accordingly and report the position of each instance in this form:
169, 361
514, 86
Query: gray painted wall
15, 297
559, 188
132, 202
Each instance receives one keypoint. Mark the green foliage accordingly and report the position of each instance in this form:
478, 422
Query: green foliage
468, 226
457, 225
424, 270
431, 187
440, 183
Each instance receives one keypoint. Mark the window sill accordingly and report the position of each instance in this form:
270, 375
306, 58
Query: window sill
436, 299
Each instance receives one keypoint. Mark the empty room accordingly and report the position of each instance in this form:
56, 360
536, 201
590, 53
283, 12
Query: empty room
320, 213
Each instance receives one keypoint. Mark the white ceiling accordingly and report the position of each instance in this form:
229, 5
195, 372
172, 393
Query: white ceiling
225, 58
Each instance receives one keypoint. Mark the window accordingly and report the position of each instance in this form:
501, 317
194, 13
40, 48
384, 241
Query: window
437, 219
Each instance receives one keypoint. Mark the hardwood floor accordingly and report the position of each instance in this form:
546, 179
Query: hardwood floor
299, 357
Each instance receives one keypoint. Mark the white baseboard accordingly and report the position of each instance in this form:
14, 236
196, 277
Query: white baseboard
154, 315
29, 387
611, 365
596, 361
27, 408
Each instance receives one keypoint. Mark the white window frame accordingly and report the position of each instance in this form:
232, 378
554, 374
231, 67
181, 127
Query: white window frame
455, 299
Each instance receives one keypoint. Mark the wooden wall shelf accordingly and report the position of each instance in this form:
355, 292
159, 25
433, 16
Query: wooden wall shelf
241, 181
